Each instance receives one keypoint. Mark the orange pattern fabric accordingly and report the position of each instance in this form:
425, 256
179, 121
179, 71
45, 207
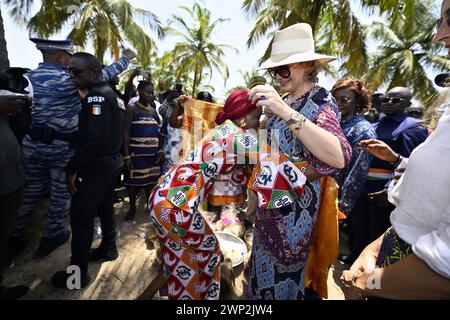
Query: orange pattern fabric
325, 242
190, 250
198, 115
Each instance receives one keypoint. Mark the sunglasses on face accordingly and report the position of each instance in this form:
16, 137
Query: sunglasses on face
441, 19
343, 99
392, 99
76, 72
283, 71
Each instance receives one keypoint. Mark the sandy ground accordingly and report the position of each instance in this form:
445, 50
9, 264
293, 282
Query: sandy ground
124, 278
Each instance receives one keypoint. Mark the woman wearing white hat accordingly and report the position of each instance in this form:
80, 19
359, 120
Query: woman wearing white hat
305, 123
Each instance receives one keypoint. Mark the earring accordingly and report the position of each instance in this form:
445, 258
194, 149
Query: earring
242, 123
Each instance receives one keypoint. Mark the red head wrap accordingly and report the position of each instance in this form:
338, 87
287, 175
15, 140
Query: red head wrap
237, 106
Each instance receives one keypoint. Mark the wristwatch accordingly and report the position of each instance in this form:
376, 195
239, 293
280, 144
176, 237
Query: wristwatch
295, 117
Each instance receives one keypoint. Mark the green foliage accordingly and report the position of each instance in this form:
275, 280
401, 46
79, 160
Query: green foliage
106, 22
196, 51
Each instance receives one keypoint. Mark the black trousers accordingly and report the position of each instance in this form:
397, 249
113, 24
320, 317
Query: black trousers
367, 222
94, 197
9, 204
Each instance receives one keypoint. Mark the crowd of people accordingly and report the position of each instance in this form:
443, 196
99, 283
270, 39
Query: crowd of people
391, 169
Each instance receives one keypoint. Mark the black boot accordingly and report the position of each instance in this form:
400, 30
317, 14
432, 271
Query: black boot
13, 293
48, 245
16, 245
105, 253
59, 280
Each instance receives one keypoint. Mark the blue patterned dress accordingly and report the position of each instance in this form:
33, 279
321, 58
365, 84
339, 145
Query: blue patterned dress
351, 179
282, 237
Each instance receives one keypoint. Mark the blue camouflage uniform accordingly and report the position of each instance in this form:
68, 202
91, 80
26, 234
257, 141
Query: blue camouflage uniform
56, 104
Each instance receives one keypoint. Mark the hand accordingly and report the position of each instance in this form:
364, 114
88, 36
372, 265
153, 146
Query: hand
83, 93
348, 279
378, 149
70, 180
14, 103
160, 158
267, 112
381, 197
146, 74
136, 72
161, 83
183, 98
398, 174
172, 96
267, 96
129, 53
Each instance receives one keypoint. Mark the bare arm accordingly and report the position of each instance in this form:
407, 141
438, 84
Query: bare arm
126, 136
410, 278
176, 118
321, 143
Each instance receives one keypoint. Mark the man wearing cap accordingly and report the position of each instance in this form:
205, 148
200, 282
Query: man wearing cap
46, 150
91, 173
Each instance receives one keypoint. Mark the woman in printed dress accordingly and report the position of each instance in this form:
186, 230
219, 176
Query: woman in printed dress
142, 145
304, 124
189, 249
353, 98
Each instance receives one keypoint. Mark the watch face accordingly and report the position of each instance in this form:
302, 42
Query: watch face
296, 116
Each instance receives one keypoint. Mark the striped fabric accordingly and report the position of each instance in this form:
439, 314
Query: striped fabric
144, 141
379, 174
198, 115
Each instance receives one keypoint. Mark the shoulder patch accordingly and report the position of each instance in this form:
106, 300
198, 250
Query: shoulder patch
120, 104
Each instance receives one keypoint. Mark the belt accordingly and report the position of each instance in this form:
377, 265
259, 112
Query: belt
375, 174
47, 135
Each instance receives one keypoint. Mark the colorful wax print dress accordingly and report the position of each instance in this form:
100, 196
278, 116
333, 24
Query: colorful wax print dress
144, 138
282, 236
190, 250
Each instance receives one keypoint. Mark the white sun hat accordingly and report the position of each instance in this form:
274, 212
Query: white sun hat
292, 45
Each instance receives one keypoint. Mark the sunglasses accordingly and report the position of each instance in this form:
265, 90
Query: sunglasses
392, 99
76, 72
441, 19
283, 71
343, 99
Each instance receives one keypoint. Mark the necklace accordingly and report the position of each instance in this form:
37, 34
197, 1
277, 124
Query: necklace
147, 107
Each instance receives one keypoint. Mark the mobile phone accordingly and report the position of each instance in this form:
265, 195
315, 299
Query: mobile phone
179, 87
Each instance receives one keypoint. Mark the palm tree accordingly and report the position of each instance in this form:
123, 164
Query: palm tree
406, 51
4, 61
197, 52
106, 22
337, 30
18, 9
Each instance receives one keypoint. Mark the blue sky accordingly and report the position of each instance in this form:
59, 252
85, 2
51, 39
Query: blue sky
234, 32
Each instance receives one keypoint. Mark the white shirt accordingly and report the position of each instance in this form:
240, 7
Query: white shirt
422, 199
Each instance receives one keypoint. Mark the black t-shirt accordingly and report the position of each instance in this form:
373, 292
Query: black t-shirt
100, 127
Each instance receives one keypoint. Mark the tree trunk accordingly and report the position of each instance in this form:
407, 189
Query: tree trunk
101, 49
4, 62
196, 73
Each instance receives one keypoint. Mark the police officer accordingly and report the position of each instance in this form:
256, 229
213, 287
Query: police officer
92, 172
56, 104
